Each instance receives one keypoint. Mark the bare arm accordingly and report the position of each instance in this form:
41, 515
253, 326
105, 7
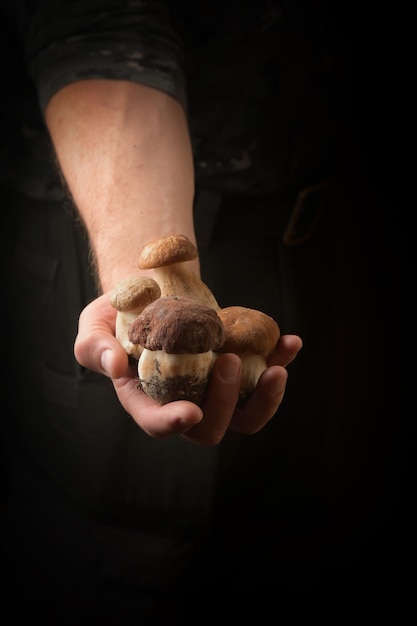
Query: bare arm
125, 152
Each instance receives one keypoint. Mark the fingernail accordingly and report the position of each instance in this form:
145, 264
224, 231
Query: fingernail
106, 359
229, 372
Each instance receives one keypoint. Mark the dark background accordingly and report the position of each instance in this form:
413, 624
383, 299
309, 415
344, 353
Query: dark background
378, 82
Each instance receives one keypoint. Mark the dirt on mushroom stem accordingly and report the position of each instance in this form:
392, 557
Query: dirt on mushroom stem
168, 378
178, 337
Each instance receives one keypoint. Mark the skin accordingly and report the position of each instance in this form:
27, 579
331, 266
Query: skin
125, 153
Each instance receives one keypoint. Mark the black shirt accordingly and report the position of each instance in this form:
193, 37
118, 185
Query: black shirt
259, 82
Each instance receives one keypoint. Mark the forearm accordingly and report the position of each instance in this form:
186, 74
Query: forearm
125, 153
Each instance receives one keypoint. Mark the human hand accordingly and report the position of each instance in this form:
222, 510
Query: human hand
96, 348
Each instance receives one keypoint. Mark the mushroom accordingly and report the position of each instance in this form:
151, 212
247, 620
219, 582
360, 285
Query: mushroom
178, 337
169, 258
252, 335
129, 297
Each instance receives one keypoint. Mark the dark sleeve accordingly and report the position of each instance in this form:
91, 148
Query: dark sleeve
67, 41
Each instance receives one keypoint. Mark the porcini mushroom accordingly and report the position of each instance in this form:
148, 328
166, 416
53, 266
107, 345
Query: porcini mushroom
178, 337
169, 257
252, 335
129, 297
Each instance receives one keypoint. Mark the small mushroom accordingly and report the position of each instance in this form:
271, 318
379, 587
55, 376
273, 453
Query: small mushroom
169, 258
252, 335
178, 337
129, 297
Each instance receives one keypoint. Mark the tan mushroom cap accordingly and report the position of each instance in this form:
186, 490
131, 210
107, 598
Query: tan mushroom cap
134, 292
177, 325
166, 251
248, 331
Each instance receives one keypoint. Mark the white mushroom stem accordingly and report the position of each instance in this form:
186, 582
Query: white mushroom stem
252, 367
178, 279
124, 320
129, 297
166, 377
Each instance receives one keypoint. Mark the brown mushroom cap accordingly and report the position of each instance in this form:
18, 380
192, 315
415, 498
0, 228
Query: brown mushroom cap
134, 292
165, 251
177, 325
248, 331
